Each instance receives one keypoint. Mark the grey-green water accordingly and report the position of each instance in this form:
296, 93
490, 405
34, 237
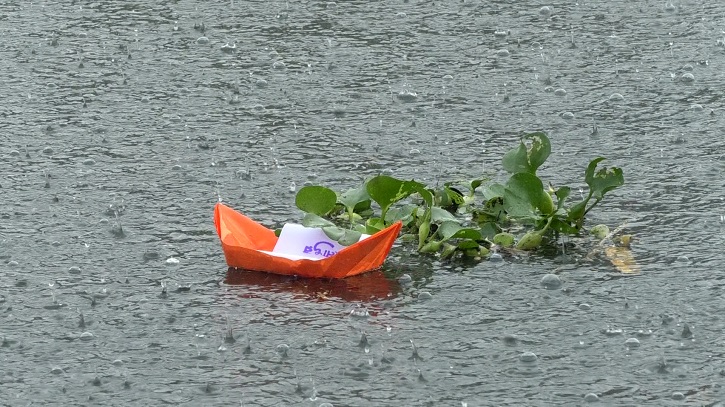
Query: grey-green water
123, 122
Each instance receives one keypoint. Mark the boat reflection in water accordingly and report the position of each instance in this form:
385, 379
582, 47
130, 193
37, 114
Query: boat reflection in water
373, 285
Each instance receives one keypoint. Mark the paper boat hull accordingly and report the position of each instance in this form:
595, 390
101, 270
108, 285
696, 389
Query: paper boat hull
244, 242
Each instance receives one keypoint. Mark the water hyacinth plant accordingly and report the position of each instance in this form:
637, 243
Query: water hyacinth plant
458, 219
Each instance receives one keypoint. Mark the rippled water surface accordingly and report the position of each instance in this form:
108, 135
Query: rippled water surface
122, 123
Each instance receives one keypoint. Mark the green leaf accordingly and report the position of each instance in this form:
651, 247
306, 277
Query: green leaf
316, 199
493, 211
408, 238
529, 241
516, 160
360, 228
539, 151
455, 195
439, 215
523, 159
345, 237
546, 204
387, 190
350, 237
334, 232
489, 230
468, 244
374, 225
448, 197
561, 194
448, 250
474, 185
494, 191
424, 229
364, 208
424, 192
403, 213
423, 232
576, 212
563, 227
504, 239
599, 231
314, 221
354, 197
452, 230
442, 199
524, 193
448, 229
468, 233
604, 180
346, 216
430, 247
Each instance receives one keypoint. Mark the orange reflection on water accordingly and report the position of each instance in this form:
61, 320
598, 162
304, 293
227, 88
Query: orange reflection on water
368, 286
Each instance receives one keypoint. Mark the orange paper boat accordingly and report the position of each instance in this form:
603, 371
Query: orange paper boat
245, 242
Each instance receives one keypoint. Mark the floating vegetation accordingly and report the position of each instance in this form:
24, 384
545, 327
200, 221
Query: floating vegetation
472, 219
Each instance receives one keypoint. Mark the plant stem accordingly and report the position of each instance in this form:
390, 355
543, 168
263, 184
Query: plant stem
590, 208
548, 223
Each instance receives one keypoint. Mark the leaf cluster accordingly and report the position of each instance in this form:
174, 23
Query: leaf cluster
457, 218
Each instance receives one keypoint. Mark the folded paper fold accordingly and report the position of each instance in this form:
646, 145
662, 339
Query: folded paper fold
245, 242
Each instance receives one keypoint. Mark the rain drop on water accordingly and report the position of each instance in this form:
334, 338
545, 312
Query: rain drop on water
591, 397
683, 259
528, 357
613, 331
359, 312
282, 350
632, 343
551, 281
172, 261
495, 258
424, 296
407, 96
